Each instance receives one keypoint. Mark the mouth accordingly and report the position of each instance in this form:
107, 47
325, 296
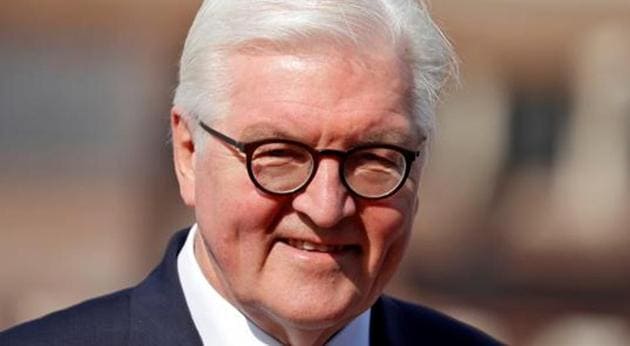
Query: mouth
308, 246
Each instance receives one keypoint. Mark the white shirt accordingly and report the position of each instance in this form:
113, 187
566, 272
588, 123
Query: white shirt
220, 323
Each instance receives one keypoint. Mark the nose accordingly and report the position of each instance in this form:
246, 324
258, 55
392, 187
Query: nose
325, 201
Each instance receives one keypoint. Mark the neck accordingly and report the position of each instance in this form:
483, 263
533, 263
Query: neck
294, 335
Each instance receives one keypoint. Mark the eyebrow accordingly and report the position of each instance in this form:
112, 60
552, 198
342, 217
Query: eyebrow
393, 136
399, 137
260, 131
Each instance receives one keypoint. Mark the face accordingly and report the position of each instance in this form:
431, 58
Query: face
315, 259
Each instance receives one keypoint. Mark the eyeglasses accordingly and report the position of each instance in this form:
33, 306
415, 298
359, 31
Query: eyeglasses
282, 166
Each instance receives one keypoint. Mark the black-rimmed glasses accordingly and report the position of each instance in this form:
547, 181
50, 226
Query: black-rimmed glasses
282, 166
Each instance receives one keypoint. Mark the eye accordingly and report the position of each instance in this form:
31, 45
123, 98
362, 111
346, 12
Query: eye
279, 154
281, 166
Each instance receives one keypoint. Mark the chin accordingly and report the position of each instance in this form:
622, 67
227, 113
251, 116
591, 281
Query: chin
321, 313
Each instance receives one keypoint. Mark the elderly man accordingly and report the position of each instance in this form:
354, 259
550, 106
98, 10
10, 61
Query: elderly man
300, 131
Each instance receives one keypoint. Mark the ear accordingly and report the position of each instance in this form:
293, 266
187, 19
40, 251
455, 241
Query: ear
183, 156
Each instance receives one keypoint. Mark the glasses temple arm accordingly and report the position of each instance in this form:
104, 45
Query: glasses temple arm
221, 136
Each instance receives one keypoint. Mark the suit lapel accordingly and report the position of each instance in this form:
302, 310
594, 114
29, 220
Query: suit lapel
381, 329
158, 311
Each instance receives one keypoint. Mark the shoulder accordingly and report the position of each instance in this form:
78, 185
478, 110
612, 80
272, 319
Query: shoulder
152, 310
99, 321
399, 322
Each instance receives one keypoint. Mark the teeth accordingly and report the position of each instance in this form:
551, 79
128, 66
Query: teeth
308, 246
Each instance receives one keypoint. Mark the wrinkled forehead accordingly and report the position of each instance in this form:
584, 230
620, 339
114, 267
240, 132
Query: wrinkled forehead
396, 135
272, 92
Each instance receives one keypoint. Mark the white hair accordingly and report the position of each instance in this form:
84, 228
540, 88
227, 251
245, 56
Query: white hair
222, 27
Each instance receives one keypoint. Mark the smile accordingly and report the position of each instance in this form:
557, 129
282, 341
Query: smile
313, 247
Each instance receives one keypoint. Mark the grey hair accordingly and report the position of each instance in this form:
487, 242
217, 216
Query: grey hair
223, 27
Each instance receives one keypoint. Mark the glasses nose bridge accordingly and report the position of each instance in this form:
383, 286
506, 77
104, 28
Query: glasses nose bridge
339, 154
319, 154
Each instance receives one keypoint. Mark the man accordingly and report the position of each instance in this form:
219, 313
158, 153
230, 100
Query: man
300, 131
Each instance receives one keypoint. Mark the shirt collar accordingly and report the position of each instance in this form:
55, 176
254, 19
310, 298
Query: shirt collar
220, 323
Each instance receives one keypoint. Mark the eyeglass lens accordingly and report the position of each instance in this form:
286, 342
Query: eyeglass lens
374, 172
281, 167
286, 167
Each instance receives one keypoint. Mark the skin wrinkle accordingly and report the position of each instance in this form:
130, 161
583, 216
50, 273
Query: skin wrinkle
263, 130
331, 105
201, 247
334, 68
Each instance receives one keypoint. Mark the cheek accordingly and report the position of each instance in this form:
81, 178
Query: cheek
388, 228
236, 218
224, 193
384, 226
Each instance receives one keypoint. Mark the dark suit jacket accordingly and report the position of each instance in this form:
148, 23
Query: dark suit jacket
155, 313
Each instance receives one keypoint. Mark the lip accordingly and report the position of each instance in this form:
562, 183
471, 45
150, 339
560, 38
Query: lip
318, 247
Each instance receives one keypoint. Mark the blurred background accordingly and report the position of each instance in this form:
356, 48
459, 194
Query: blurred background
524, 224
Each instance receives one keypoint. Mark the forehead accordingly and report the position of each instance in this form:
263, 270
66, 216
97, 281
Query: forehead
324, 98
